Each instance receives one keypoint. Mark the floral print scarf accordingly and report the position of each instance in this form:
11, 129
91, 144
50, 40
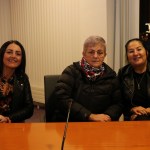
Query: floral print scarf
6, 91
91, 72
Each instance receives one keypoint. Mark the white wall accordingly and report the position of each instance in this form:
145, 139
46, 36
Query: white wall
53, 32
5, 21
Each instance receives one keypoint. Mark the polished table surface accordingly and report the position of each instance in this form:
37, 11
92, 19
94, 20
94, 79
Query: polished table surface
133, 135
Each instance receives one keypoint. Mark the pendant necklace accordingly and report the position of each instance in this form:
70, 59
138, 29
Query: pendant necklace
139, 81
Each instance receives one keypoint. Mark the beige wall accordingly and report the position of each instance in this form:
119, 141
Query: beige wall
53, 32
5, 21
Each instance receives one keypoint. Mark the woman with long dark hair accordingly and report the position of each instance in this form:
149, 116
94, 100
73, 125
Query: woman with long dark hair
16, 103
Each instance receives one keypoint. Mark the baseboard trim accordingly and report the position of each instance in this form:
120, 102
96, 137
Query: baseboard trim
39, 105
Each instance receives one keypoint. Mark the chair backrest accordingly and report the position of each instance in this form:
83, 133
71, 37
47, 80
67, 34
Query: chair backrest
49, 86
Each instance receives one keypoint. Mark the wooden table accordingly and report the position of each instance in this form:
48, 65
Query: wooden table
80, 136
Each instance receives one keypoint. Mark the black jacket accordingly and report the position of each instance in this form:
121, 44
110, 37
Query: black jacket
21, 106
100, 96
126, 79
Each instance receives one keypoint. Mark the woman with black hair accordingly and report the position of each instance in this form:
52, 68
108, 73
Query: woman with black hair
16, 103
135, 81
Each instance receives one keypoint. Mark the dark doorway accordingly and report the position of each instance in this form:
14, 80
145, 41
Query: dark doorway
144, 15
145, 18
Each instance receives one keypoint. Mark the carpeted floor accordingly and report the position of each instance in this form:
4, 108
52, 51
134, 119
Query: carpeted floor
38, 115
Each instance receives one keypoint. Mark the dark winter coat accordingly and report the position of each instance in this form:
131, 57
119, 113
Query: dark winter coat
99, 96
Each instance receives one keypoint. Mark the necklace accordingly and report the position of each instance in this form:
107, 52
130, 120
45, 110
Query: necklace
139, 81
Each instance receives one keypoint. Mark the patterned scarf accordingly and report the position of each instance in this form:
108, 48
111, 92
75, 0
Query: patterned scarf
6, 90
91, 72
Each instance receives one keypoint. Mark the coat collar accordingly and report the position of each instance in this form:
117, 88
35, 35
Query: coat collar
129, 70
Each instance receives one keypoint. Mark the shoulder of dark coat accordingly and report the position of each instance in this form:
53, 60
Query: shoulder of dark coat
73, 69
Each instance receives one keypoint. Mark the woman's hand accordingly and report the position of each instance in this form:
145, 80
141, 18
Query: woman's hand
4, 119
99, 117
139, 110
148, 110
133, 117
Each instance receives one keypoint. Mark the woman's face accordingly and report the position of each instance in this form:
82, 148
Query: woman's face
12, 56
95, 55
136, 54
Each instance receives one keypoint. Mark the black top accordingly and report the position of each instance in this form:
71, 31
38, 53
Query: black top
140, 92
135, 89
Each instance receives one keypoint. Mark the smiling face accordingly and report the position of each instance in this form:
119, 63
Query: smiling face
136, 54
95, 55
12, 57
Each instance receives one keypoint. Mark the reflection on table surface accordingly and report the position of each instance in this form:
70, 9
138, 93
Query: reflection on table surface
133, 135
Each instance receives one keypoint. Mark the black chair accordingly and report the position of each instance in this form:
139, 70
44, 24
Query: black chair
49, 86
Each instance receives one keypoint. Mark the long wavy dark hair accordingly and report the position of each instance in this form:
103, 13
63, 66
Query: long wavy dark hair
21, 68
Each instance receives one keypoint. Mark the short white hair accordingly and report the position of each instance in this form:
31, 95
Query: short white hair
92, 41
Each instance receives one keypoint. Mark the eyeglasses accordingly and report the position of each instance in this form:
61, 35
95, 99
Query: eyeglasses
99, 53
